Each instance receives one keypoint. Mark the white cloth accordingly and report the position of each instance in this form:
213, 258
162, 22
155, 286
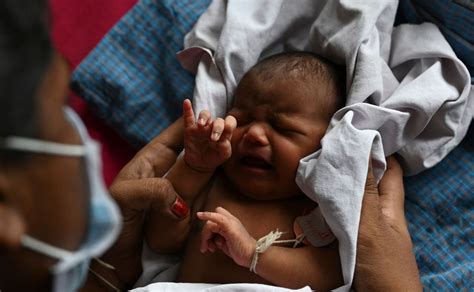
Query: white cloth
198, 287
406, 90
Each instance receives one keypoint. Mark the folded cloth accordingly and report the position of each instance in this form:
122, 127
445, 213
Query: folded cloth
455, 19
406, 90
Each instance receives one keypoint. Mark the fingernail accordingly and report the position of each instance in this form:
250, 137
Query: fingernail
215, 136
201, 121
180, 208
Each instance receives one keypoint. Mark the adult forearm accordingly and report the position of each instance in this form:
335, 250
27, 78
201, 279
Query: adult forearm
385, 262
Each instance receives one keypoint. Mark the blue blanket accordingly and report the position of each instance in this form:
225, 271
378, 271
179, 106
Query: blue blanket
134, 82
440, 213
132, 79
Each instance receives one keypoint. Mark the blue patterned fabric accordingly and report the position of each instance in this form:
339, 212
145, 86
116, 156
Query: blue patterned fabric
440, 201
132, 79
134, 82
440, 213
455, 18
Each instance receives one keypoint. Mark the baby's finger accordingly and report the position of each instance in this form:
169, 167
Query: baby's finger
230, 123
221, 220
204, 118
217, 129
219, 240
224, 212
220, 243
188, 113
207, 233
224, 148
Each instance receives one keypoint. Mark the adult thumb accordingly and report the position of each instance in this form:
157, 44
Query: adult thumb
371, 191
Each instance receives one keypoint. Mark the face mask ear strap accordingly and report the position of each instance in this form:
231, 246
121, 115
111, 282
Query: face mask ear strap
44, 248
40, 146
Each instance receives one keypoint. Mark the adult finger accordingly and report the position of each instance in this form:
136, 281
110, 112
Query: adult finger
391, 184
230, 123
217, 129
370, 200
204, 118
188, 113
136, 196
392, 194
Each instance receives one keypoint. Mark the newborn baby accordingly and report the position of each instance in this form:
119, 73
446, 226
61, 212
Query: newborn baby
281, 111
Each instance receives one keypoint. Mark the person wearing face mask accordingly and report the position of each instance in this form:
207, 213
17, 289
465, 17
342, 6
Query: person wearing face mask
55, 213
56, 217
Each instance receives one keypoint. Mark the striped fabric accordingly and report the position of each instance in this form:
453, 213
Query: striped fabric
134, 82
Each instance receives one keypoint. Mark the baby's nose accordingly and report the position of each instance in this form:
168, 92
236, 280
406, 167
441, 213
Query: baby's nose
256, 134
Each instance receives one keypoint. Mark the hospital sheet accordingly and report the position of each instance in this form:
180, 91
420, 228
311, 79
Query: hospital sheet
406, 90
195, 287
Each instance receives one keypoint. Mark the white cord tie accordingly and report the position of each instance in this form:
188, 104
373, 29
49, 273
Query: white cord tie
268, 240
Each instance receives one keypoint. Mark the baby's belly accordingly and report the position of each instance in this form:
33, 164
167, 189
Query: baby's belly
258, 217
216, 267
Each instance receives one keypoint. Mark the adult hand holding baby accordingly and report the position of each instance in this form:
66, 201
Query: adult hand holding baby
385, 261
138, 189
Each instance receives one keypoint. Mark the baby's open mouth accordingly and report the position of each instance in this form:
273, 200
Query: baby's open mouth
257, 162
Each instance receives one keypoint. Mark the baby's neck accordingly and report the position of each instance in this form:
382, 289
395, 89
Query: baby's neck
222, 179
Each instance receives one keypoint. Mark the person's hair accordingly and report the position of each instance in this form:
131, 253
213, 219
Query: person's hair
306, 67
25, 53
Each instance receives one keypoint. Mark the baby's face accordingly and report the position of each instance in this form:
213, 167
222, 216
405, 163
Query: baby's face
278, 123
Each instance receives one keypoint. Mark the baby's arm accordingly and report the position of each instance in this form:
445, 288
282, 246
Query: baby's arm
283, 266
207, 145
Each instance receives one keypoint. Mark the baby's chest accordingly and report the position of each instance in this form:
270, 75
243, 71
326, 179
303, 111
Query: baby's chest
258, 217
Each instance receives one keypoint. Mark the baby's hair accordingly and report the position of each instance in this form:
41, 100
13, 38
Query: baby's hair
306, 67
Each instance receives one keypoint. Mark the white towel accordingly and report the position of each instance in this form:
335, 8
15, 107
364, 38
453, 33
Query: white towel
406, 90
199, 287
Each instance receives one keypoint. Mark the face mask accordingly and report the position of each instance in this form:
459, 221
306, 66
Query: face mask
104, 223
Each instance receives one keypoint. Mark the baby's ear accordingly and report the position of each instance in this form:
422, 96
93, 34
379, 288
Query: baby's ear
12, 225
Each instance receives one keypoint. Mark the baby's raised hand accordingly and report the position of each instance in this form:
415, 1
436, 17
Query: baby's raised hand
224, 231
206, 142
